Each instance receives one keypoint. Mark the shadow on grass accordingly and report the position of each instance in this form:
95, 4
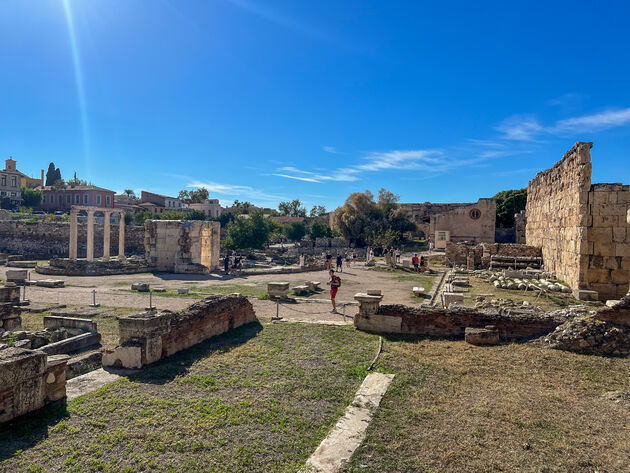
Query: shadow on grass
167, 369
28, 430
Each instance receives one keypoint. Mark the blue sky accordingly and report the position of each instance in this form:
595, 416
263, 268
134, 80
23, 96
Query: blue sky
266, 100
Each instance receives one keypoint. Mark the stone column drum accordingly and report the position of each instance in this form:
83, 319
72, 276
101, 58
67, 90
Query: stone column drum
72, 250
90, 235
121, 236
106, 235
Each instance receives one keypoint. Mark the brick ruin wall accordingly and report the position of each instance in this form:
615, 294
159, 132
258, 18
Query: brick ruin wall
148, 337
452, 322
581, 228
520, 220
51, 240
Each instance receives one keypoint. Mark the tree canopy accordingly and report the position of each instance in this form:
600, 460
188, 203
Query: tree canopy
252, 232
195, 196
295, 231
362, 220
293, 208
53, 175
509, 202
240, 208
319, 229
31, 197
317, 211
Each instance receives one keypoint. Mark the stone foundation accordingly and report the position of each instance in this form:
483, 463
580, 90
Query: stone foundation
150, 336
29, 379
82, 267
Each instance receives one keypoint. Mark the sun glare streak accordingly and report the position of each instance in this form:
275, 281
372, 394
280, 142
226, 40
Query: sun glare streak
78, 76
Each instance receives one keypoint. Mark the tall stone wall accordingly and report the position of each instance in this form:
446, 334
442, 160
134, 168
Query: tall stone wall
182, 246
608, 241
581, 227
558, 212
455, 218
46, 240
520, 221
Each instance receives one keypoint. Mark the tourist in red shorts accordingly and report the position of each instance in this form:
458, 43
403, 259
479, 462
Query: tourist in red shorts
334, 282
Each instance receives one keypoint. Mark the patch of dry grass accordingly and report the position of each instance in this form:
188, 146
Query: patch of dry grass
454, 407
258, 399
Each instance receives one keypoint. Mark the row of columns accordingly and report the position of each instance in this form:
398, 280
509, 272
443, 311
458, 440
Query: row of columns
74, 234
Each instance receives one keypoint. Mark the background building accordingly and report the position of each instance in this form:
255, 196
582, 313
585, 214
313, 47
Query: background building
63, 199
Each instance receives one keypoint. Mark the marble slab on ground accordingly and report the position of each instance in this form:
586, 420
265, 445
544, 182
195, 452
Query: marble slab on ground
38, 307
88, 382
81, 312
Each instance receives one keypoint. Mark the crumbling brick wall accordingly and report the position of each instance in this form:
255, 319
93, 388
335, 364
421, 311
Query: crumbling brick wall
458, 253
581, 228
452, 322
148, 337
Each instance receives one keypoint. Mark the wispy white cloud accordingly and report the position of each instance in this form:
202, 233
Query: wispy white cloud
236, 191
568, 100
331, 149
520, 128
528, 128
298, 178
594, 122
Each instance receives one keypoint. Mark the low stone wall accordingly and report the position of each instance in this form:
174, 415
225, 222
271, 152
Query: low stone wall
458, 253
150, 336
29, 379
46, 240
452, 322
82, 267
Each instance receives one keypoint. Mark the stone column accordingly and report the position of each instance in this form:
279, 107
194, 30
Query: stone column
121, 236
90, 235
106, 235
74, 232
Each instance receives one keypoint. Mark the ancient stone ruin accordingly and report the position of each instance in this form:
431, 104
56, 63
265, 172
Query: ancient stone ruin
581, 227
29, 379
150, 336
182, 246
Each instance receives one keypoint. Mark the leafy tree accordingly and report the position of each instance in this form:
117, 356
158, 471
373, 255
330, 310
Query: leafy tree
319, 229
292, 209
172, 215
195, 196
295, 231
361, 219
141, 216
384, 238
317, 211
224, 218
52, 175
128, 218
130, 193
509, 202
196, 215
59, 184
252, 232
31, 197
76, 181
240, 208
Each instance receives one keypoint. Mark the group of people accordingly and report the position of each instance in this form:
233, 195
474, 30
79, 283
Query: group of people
233, 262
350, 257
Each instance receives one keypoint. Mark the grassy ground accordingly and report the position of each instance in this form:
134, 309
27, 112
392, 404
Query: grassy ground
107, 324
553, 301
453, 407
258, 399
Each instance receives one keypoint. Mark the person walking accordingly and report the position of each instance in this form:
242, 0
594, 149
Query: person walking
416, 262
226, 264
328, 261
339, 263
354, 257
423, 264
334, 282
397, 255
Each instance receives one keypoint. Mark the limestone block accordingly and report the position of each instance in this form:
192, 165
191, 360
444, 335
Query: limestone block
482, 336
585, 295
50, 283
140, 286
452, 297
153, 349
418, 291
300, 290
124, 357
278, 289
622, 250
17, 275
